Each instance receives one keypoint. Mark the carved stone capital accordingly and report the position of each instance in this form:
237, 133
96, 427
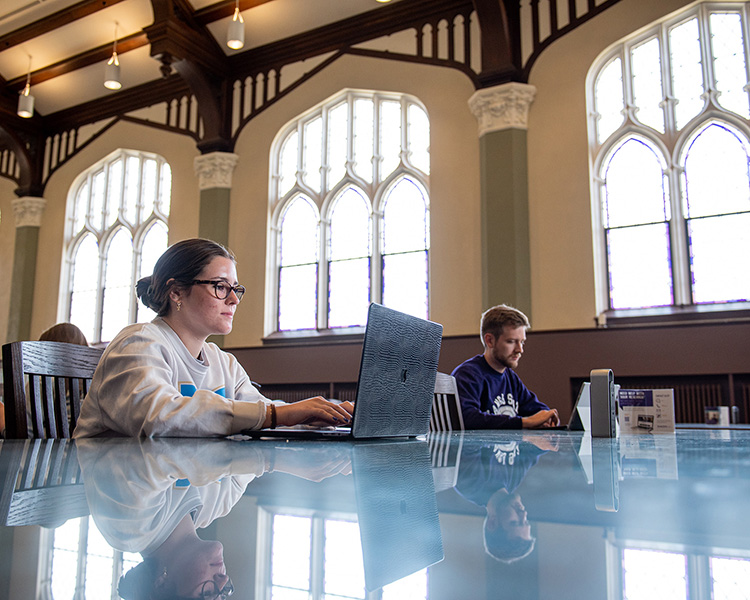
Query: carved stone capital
501, 107
28, 211
214, 170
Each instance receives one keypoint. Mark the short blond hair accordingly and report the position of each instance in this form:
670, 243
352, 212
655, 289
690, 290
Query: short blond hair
496, 318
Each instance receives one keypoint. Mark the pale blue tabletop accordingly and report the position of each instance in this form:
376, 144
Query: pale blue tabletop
463, 516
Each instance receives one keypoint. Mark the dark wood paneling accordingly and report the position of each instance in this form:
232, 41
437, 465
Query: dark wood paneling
552, 358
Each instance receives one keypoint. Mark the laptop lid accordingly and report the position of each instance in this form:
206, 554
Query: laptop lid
397, 374
396, 381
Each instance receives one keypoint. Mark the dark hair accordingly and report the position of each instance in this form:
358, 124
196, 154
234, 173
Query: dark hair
64, 332
180, 264
500, 546
138, 583
496, 318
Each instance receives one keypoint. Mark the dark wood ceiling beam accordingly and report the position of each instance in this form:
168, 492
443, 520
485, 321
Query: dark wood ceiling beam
82, 9
119, 103
376, 23
84, 59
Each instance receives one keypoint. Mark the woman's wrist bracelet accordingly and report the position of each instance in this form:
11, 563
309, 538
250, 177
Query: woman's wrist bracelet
273, 416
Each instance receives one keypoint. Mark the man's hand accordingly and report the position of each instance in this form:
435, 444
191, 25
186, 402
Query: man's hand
544, 418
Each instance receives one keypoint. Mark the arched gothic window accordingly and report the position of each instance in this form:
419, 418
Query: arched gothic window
349, 213
670, 145
116, 229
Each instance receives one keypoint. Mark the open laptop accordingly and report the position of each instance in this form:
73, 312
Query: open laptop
396, 381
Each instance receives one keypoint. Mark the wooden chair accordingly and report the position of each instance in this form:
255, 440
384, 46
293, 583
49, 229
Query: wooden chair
446, 407
58, 375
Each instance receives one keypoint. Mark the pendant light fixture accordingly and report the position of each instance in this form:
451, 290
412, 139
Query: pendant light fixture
25, 99
236, 31
112, 70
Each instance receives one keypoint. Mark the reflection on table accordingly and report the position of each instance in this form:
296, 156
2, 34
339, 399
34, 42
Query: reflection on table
473, 515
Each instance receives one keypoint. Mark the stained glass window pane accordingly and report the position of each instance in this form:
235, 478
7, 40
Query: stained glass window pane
419, 138
132, 186
312, 154
338, 142
98, 205
609, 100
405, 224
114, 192
343, 570
85, 286
363, 138
647, 84
639, 266
650, 574
298, 297
80, 209
687, 71
118, 286
390, 137
730, 70
719, 253
290, 552
716, 178
299, 233
405, 283
165, 189
730, 578
630, 200
349, 226
153, 246
288, 163
148, 185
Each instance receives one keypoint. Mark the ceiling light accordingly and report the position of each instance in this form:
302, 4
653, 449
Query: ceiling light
236, 31
25, 99
112, 70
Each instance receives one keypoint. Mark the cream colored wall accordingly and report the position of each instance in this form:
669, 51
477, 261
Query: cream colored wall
178, 150
7, 243
454, 187
562, 269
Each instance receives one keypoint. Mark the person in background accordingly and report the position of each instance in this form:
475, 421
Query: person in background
64, 332
164, 379
492, 395
61, 332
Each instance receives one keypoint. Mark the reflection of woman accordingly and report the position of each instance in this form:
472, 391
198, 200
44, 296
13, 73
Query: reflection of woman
152, 496
163, 379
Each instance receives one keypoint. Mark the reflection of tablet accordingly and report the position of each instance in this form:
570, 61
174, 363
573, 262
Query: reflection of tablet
646, 422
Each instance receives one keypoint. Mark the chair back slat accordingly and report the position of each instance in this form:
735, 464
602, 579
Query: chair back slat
56, 372
446, 407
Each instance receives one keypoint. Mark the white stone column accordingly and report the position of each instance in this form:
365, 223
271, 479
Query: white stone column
501, 107
28, 211
215, 170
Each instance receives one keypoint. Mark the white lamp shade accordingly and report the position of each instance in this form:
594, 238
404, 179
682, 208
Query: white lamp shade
25, 105
236, 33
112, 76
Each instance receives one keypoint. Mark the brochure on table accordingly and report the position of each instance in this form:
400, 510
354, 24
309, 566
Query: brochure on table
646, 411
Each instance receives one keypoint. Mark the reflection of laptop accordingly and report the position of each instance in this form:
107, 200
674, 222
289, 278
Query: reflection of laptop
396, 509
396, 380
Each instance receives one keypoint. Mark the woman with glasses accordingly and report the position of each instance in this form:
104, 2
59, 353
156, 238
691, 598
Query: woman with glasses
164, 379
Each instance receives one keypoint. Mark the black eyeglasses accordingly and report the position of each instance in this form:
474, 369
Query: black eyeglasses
211, 591
222, 288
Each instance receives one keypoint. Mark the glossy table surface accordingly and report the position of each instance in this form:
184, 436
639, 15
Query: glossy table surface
474, 515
